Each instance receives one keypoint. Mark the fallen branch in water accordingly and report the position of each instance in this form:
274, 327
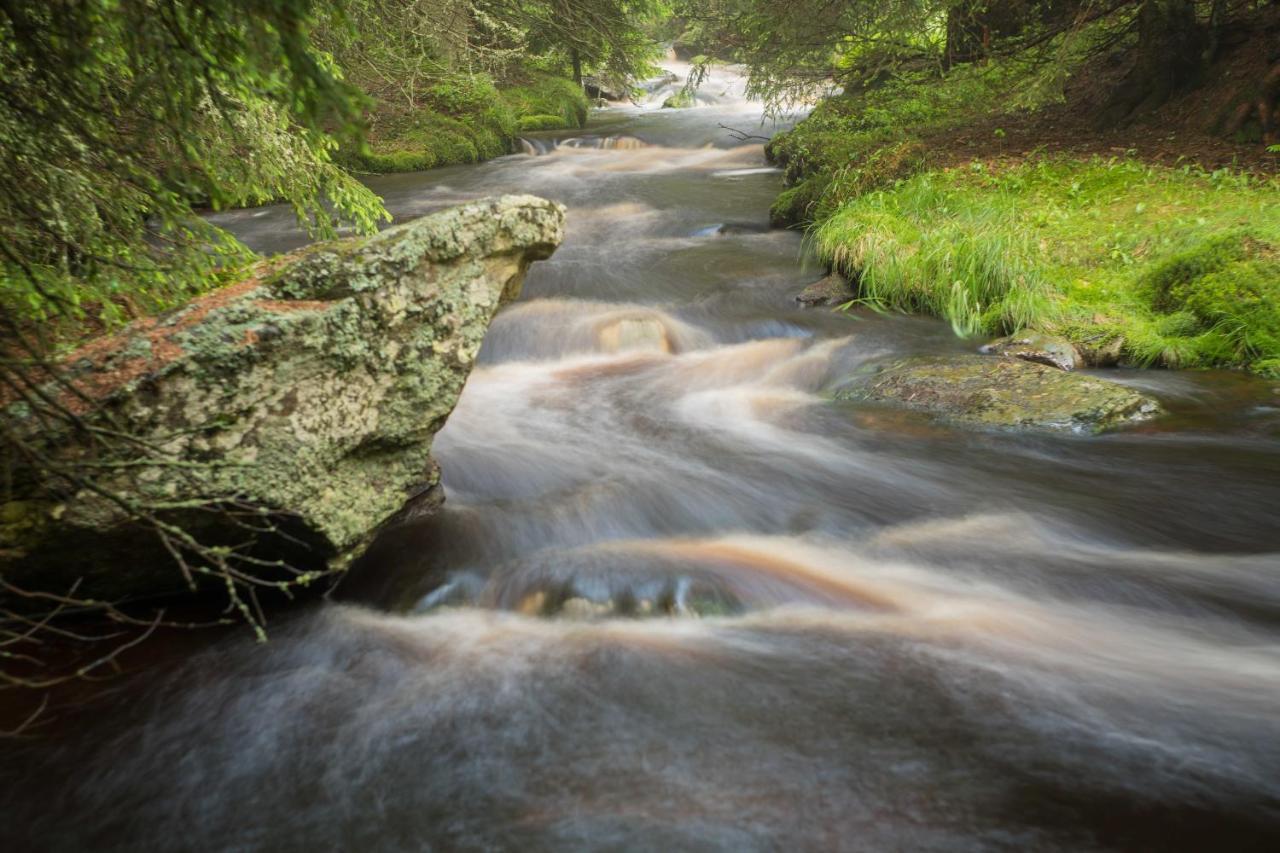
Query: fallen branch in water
742, 135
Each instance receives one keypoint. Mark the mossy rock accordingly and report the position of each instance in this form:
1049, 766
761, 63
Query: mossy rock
307, 394
833, 289
679, 101
527, 124
1039, 348
794, 206
994, 391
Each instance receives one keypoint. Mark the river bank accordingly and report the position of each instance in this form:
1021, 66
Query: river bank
983, 198
465, 120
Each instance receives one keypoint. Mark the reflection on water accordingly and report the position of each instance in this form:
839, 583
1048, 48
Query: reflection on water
678, 599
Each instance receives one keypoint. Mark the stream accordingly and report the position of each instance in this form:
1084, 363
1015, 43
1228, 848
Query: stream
678, 599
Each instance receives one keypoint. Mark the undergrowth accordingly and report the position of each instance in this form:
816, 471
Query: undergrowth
864, 140
1177, 267
1155, 265
466, 120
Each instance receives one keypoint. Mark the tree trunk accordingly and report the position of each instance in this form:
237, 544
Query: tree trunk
577, 65
962, 41
973, 25
1217, 19
1171, 45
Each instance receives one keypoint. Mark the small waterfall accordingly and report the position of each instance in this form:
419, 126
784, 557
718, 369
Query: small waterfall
537, 146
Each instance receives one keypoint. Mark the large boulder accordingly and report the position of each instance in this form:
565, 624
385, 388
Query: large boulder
605, 88
305, 397
1004, 392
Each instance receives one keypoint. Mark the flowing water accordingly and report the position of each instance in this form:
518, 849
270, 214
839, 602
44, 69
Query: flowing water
678, 599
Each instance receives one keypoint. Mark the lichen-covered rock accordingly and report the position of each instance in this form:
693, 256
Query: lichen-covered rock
834, 289
309, 393
1039, 348
1004, 392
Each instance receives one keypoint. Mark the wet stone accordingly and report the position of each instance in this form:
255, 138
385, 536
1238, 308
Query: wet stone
831, 290
1038, 348
981, 391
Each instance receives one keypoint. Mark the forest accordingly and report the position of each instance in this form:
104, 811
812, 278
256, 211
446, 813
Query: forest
634, 424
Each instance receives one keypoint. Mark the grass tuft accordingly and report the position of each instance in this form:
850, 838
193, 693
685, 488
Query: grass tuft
1180, 264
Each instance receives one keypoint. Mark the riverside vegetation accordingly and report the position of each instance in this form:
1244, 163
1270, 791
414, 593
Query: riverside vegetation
986, 194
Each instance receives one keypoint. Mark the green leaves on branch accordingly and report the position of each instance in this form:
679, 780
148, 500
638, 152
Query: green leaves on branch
119, 117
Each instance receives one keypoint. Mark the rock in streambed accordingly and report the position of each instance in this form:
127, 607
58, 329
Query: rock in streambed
1039, 348
983, 391
833, 289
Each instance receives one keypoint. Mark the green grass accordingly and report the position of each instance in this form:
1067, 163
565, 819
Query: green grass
549, 95
1181, 265
466, 120
865, 140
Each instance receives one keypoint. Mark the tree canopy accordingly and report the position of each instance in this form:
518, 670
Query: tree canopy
118, 116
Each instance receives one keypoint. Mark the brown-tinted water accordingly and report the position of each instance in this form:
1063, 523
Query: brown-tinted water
678, 599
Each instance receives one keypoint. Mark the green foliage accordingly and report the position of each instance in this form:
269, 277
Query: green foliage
1225, 288
110, 133
1179, 263
682, 99
548, 95
854, 143
525, 124
608, 37
465, 120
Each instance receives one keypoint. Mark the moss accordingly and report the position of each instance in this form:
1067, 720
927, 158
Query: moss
548, 95
420, 140
22, 523
993, 391
679, 101
827, 169
467, 120
526, 124
793, 206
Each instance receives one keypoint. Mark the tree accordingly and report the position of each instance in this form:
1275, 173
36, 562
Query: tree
1171, 53
118, 116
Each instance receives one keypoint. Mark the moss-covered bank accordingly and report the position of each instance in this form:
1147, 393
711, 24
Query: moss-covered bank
1164, 265
466, 120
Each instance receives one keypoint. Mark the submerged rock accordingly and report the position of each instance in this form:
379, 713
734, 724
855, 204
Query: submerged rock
634, 333
1005, 392
834, 289
1039, 348
306, 396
